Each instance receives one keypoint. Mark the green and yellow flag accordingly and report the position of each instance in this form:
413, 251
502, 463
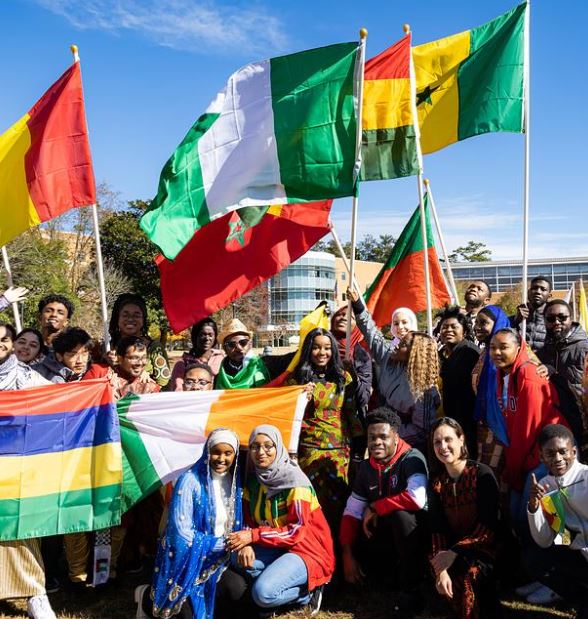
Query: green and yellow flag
472, 82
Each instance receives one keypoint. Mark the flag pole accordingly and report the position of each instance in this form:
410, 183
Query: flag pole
415, 117
99, 262
17, 321
575, 313
448, 269
343, 256
362, 43
526, 125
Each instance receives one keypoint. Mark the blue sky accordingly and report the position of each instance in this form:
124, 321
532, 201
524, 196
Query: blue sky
151, 67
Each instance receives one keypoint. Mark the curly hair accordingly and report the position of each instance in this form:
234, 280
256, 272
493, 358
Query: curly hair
454, 311
422, 368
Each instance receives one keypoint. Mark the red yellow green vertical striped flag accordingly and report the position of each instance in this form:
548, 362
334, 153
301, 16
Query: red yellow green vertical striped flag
45, 162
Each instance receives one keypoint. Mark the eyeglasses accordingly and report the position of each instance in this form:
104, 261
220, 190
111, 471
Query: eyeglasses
192, 382
267, 447
136, 358
240, 343
559, 317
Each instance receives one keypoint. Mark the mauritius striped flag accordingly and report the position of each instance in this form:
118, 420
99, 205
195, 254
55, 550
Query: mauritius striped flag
401, 281
163, 434
472, 82
45, 161
60, 460
282, 131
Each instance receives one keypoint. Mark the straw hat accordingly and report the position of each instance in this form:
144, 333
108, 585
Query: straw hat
233, 327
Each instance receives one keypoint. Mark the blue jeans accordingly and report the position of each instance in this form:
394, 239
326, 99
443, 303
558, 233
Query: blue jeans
518, 505
280, 577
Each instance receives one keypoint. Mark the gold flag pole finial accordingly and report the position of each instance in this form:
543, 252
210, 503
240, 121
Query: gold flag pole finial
74, 51
406, 28
363, 33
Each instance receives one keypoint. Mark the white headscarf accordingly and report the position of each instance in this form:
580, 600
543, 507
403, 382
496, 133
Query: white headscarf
223, 435
412, 320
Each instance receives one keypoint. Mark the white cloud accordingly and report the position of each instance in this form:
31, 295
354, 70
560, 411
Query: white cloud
201, 26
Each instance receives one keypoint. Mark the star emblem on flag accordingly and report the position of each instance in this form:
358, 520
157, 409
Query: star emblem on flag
425, 95
237, 232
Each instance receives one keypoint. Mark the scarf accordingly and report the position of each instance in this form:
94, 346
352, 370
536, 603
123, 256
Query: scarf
14, 374
487, 409
283, 473
253, 374
190, 559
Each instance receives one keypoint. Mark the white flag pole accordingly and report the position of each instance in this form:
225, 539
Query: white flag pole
362, 43
99, 262
448, 269
17, 321
527, 126
415, 119
343, 256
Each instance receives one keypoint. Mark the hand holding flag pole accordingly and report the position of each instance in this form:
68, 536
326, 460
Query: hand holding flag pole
13, 303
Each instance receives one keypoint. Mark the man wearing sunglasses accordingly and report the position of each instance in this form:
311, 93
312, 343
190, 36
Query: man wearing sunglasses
240, 369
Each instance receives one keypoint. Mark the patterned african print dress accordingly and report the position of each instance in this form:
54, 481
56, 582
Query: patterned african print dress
330, 422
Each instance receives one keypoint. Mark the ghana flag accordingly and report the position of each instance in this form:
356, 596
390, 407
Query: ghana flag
388, 138
401, 282
45, 161
472, 82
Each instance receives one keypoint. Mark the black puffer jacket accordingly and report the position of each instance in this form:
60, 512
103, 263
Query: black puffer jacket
536, 331
567, 356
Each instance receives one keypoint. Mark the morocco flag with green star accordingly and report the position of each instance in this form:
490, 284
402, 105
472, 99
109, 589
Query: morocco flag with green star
231, 255
401, 281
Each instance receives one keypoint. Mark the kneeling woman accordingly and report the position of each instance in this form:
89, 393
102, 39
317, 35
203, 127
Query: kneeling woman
205, 508
288, 549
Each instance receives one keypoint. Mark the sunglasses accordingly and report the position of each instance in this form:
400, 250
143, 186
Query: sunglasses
240, 343
559, 317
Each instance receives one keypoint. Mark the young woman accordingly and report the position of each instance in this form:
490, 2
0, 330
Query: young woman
463, 513
403, 321
407, 375
22, 573
192, 554
129, 317
458, 356
204, 336
288, 548
330, 422
29, 347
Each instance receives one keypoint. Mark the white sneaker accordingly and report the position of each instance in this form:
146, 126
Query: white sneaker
543, 595
38, 607
526, 590
139, 593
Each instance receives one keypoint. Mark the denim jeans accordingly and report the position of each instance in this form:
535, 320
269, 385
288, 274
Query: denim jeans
518, 506
279, 577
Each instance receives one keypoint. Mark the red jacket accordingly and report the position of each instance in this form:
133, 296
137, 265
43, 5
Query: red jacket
532, 404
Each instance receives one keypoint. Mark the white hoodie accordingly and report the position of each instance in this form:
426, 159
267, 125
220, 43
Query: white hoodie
575, 502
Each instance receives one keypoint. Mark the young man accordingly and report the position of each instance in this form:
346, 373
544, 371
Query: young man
55, 312
478, 294
198, 377
534, 313
560, 559
69, 359
131, 354
385, 508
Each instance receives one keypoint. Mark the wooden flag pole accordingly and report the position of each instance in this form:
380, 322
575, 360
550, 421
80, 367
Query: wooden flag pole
15, 312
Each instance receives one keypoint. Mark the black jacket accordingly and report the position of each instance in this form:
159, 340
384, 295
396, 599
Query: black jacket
536, 333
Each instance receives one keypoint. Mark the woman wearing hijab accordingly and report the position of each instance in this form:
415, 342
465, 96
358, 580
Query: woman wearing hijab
403, 321
288, 548
192, 555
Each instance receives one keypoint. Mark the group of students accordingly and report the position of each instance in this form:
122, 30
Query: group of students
466, 432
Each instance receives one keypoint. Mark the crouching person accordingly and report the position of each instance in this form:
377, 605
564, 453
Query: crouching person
558, 518
383, 515
287, 549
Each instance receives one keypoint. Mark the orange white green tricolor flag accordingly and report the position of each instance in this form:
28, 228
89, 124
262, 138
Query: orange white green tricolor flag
401, 281
45, 161
389, 148
163, 434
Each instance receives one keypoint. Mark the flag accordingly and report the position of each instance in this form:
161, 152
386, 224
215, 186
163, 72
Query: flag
388, 137
282, 131
583, 307
401, 281
554, 511
60, 460
45, 162
233, 254
472, 82
163, 434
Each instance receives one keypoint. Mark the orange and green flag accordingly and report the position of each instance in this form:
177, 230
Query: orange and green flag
388, 137
472, 82
45, 162
401, 281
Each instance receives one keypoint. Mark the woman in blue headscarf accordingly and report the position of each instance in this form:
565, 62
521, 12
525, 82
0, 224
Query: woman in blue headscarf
192, 555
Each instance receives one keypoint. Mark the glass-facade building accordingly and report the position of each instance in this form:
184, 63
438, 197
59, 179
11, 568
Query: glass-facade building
299, 288
503, 275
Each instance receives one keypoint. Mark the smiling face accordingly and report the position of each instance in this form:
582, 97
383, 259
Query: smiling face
401, 324
321, 352
54, 317
6, 344
504, 349
339, 323
76, 360
134, 361
382, 441
539, 293
558, 321
558, 455
262, 451
205, 339
483, 327
447, 445
222, 456
451, 332
130, 320
27, 347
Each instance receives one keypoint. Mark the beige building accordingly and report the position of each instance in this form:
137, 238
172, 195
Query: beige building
365, 273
